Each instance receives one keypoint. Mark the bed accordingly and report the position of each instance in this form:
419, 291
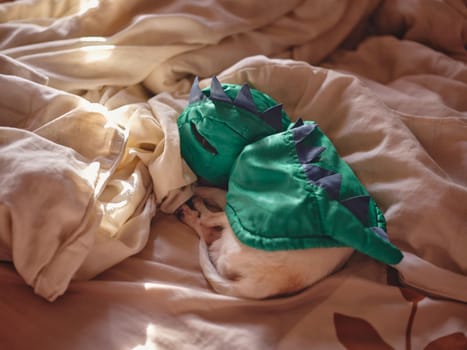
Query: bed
91, 254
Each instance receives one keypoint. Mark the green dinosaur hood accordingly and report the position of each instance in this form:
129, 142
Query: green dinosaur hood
220, 121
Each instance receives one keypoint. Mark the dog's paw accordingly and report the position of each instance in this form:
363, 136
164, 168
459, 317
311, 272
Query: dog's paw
188, 216
208, 225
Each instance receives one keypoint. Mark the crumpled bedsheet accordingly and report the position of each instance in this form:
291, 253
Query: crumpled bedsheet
81, 180
90, 170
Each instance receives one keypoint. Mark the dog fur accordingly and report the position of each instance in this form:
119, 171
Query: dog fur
235, 269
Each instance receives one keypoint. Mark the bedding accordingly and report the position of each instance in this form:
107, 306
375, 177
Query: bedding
91, 172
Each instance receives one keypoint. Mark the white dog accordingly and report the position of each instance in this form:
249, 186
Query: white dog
235, 269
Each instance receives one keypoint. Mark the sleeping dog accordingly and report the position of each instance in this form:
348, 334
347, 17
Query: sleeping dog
236, 269
294, 210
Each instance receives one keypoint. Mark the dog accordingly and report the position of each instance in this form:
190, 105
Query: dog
235, 269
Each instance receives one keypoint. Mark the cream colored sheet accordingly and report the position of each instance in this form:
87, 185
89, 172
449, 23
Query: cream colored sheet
80, 181
90, 169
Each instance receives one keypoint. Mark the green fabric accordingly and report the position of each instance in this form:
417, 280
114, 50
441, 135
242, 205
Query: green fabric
226, 128
273, 205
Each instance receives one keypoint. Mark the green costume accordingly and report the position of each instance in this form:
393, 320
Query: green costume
303, 196
287, 186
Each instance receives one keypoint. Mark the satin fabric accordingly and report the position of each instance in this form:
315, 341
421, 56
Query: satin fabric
274, 201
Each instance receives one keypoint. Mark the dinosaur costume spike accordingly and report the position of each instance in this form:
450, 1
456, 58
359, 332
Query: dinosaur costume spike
272, 116
245, 100
315, 172
196, 94
308, 155
359, 206
298, 123
217, 92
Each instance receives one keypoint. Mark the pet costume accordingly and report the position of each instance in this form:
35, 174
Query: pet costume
220, 121
287, 186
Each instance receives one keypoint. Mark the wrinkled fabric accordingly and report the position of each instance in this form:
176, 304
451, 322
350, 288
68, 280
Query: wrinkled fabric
385, 81
81, 182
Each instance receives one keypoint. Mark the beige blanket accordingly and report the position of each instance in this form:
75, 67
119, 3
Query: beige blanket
90, 168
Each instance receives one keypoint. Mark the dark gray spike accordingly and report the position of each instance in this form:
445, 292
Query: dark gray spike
301, 132
245, 100
308, 154
273, 116
298, 123
359, 207
315, 172
332, 184
217, 92
196, 94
